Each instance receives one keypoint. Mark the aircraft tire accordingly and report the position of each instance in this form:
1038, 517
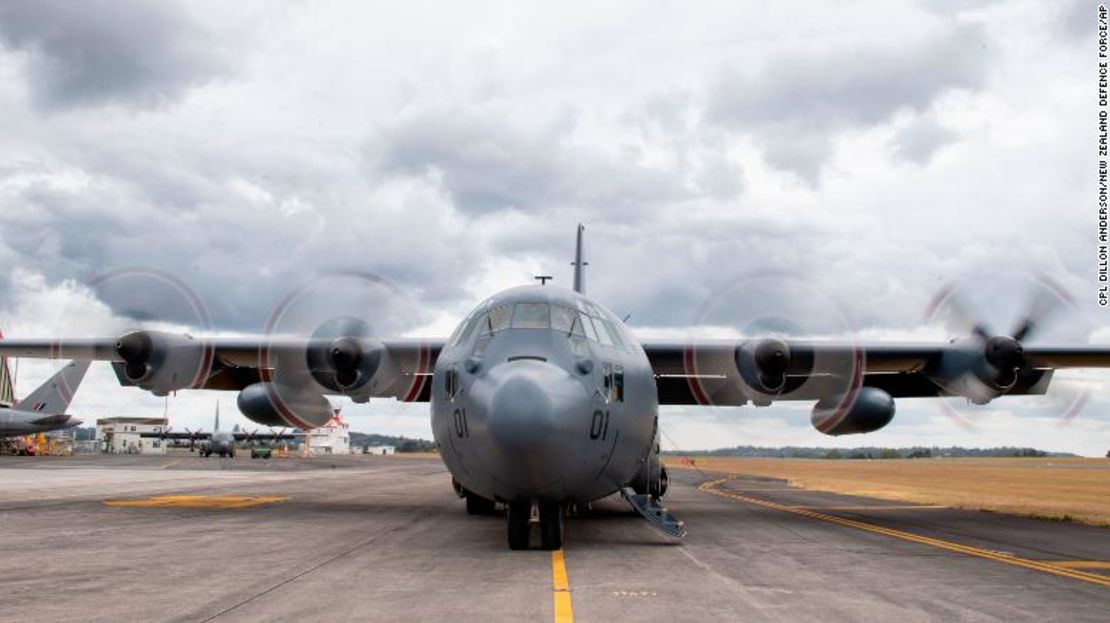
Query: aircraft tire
478, 505
551, 525
519, 529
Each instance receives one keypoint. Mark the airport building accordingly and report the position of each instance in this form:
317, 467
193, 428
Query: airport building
331, 438
122, 435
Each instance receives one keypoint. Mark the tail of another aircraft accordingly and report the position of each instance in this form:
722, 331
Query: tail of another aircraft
7, 389
53, 396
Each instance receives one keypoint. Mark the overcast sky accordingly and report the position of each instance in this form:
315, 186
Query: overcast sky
871, 152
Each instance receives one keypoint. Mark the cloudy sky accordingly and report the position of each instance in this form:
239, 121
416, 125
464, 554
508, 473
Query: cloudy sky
869, 152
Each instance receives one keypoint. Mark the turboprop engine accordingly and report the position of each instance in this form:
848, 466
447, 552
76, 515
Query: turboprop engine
762, 365
343, 357
161, 362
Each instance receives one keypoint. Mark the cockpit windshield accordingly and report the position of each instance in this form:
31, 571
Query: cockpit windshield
574, 323
532, 316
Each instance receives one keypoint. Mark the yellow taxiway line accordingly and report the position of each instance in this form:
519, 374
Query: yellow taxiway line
199, 501
1081, 564
560, 587
899, 507
1046, 567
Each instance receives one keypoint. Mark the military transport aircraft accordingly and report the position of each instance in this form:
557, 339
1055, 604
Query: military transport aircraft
542, 399
218, 441
44, 409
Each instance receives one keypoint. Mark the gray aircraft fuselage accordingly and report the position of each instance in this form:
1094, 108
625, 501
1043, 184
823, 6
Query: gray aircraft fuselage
17, 422
542, 394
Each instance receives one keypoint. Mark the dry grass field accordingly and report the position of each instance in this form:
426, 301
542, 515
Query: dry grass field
1060, 489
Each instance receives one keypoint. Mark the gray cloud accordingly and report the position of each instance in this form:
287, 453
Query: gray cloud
796, 104
145, 53
1075, 20
486, 164
921, 139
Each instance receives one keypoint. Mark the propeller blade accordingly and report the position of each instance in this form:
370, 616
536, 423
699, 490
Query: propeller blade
951, 306
1042, 306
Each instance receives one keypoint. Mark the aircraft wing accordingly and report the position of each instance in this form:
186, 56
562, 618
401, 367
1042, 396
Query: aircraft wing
760, 371
244, 436
177, 436
163, 362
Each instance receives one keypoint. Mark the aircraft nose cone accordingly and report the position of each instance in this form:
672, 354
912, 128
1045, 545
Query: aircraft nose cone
532, 411
521, 413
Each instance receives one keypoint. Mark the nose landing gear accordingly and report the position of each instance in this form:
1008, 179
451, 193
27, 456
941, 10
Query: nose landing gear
551, 525
551, 520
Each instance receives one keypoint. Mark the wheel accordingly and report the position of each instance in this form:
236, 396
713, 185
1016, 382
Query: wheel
551, 525
478, 505
231, 454
664, 482
519, 529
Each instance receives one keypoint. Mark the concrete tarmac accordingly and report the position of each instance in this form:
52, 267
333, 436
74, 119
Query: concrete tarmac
182, 538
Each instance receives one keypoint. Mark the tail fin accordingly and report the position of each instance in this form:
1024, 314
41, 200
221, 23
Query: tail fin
7, 390
579, 263
54, 396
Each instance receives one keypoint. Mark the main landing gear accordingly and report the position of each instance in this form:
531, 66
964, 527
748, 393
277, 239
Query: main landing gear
551, 519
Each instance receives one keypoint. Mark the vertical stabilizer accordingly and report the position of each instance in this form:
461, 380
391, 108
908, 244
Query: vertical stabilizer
53, 396
579, 263
7, 390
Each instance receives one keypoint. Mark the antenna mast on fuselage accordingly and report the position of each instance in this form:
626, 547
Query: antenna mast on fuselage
579, 263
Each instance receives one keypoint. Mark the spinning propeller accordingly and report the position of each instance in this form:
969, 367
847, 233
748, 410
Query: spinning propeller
344, 354
765, 311
984, 364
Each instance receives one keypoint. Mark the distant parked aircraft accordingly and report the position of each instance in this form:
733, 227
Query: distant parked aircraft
43, 410
218, 441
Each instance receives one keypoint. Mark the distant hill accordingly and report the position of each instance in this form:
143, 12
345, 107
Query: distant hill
869, 452
401, 444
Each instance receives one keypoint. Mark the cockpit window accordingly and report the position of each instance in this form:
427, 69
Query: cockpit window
532, 316
496, 319
466, 329
565, 320
588, 325
602, 332
614, 334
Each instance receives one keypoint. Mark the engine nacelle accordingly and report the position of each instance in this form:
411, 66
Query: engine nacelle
270, 404
342, 359
161, 362
871, 410
762, 365
980, 371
